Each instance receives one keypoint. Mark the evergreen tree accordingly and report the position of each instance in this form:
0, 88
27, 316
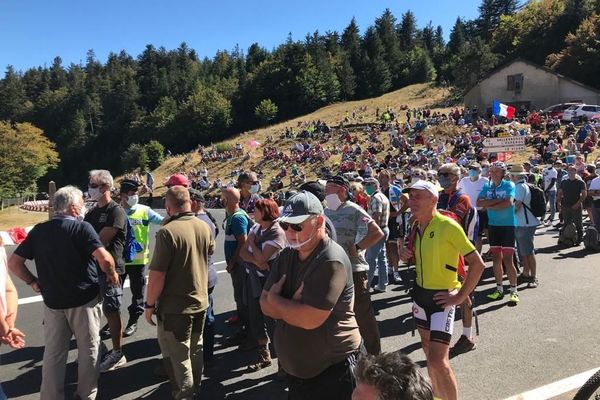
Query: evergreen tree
407, 31
457, 37
13, 99
385, 27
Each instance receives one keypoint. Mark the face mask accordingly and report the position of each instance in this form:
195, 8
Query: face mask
132, 200
369, 190
333, 201
94, 193
294, 244
254, 189
445, 182
472, 173
81, 213
413, 180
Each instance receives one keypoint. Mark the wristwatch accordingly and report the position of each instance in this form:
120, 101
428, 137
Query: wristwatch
148, 306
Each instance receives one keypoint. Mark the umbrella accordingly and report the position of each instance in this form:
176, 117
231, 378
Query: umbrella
253, 143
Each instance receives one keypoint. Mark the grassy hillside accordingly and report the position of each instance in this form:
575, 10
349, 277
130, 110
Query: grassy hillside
414, 96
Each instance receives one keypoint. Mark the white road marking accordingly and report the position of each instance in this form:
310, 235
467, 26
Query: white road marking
37, 299
556, 388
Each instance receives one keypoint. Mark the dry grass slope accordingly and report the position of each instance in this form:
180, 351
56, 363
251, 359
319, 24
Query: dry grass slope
414, 96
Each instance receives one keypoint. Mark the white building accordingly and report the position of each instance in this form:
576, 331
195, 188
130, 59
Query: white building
523, 83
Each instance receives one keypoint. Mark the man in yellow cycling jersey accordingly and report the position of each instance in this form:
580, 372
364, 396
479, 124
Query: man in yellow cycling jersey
437, 241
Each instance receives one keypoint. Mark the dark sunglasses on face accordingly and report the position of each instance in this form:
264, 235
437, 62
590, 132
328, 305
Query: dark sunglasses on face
295, 227
445, 174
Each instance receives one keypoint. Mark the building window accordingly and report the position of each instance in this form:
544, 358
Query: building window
514, 83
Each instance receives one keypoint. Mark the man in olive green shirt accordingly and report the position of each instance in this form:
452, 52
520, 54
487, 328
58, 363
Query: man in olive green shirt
178, 291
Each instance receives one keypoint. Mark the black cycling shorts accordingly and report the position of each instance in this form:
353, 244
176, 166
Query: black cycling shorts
430, 316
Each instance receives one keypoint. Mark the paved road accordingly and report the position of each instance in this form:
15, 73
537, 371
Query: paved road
551, 335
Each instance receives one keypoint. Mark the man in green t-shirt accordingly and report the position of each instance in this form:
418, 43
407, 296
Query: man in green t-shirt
178, 291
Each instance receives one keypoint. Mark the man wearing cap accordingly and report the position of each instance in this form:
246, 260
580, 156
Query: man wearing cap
471, 185
178, 292
526, 226
318, 189
356, 232
435, 245
140, 217
310, 292
177, 180
394, 196
379, 210
497, 196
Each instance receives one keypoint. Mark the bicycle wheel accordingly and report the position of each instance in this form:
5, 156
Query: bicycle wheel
590, 389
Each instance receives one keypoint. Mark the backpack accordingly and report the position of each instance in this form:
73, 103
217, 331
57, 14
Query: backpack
537, 205
590, 239
131, 246
470, 223
568, 235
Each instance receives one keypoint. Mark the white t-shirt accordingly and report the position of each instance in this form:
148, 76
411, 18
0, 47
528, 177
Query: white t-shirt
547, 175
472, 189
3, 276
212, 271
595, 185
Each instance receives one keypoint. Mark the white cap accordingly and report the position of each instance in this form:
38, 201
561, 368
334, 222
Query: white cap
423, 185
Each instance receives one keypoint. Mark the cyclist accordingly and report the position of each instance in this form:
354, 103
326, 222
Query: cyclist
436, 243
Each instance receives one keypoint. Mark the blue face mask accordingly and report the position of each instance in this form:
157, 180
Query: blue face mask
472, 173
444, 181
369, 190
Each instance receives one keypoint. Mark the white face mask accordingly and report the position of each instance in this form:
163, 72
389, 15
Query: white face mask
333, 201
82, 212
294, 244
413, 180
94, 193
254, 189
132, 200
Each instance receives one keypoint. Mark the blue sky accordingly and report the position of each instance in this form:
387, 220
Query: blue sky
34, 32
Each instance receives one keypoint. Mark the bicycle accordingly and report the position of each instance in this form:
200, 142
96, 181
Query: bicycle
590, 390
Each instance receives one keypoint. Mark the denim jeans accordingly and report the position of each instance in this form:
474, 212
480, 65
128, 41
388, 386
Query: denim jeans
377, 259
551, 198
208, 335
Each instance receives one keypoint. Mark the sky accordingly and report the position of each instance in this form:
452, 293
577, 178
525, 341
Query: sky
32, 32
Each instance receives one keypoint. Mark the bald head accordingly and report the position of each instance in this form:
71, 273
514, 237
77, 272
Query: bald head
230, 197
178, 200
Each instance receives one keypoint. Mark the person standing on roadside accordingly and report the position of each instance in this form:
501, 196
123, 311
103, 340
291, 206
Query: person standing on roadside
9, 300
237, 226
436, 243
497, 196
249, 186
379, 210
356, 231
394, 195
571, 194
309, 292
110, 222
65, 251
178, 292
140, 217
471, 185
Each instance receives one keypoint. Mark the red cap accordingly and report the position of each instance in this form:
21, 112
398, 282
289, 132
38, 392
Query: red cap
177, 180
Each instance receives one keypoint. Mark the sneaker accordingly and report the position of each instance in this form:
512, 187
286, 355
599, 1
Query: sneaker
513, 299
463, 345
395, 278
533, 283
497, 295
376, 290
130, 329
113, 360
522, 278
548, 223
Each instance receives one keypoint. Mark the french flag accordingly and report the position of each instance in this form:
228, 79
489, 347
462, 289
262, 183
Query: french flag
503, 110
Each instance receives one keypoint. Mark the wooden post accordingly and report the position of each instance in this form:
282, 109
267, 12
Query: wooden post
51, 191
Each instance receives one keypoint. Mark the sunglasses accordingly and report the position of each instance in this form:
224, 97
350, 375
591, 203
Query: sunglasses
296, 227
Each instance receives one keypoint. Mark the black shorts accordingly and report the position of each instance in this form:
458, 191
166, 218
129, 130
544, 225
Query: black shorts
112, 296
394, 230
483, 221
430, 316
501, 238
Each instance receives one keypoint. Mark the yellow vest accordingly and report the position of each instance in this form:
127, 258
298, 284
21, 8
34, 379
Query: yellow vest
140, 222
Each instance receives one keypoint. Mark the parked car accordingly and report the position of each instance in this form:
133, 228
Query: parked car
557, 110
575, 112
